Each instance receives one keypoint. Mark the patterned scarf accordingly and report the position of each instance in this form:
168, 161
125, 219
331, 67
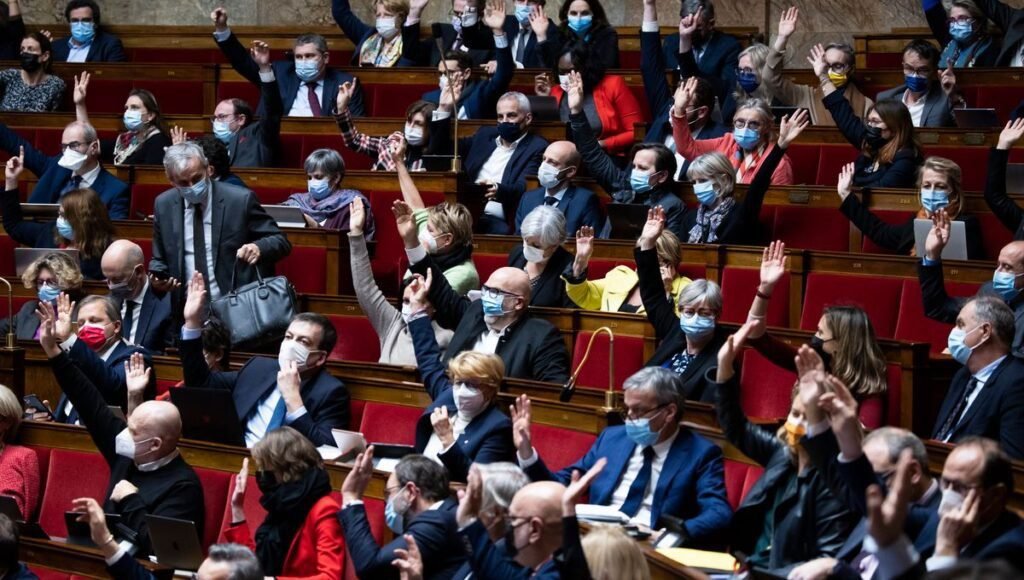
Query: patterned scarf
128, 142
380, 53
963, 57
326, 207
705, 231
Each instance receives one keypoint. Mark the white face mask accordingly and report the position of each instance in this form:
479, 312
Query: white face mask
72, 159
547, 175
125, 446
563, 81
469, 18
532, 254
951, 500
292, 350
429, 242
386, 27
413, 134
468, 400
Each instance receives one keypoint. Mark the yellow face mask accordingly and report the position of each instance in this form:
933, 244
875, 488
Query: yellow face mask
838, 79
794, 431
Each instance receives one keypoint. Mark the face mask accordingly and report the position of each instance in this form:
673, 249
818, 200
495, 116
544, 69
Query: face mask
916, 84
705, 192
294, 351
510, 131
194, 194
794, 431
839, 80
307, 70
580, 24
413, 135
457, 23
30, 62
746, 138
428, 241
640, 432
563, 82
932, 200
639, 182
961, 31
121, 290
523, 14
386, 27
532, 254
957, 348
394, 515
1003, 283
72, 159
951, 500
125, 446
493, 306
266, 481
468, 400
442, 83
132, 120
510, 540
319, 188
818, 344
83, 32
64, 229
48, 293
696, 326
748, 81
547, 175
873, 135
470, 18
222, 131
93, 335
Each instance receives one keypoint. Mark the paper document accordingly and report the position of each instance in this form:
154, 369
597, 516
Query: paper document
701, 559
600, 513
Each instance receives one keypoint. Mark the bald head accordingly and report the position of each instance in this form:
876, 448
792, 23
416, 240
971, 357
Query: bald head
511, 280
156, 420
1012, 255
536, 517
123, 266
562, 154
542, 499
122, 256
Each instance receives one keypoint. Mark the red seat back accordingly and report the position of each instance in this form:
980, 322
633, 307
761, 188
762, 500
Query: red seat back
254, 512
878, 296
375, 517
738, 288
355, 411
893, 397
357, 340
912, 325
765, 389
43, 457
560, 447
831, 159
387, 423
306, 269
486, 264
830, 231
629, 358
994, 234
72, 474
804, 159
740, 477
215, 502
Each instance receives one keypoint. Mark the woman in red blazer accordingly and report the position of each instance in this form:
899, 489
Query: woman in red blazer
301, 536
19, 466
616, 107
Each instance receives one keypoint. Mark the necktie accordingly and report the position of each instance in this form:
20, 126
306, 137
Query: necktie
954, 417
524, 38
277, 419
199, 241
74, 183
638, 489
126, 321
314, 103
550, 200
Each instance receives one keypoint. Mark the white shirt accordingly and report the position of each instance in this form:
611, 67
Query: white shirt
104, 355
434, 446
488, 341
1018, 57
670, 142
556, 193
493, 170
982, 378
518, 39
190, 259
78, 52
89, 177
300, 108
129, 333
915, 109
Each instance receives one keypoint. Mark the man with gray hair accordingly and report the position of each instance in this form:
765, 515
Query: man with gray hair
201, 225
77, 167
145, 314
655, 466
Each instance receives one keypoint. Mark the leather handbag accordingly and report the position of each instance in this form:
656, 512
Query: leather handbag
259, 312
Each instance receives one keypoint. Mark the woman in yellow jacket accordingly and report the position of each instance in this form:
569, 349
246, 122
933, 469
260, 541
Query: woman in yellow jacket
618, 291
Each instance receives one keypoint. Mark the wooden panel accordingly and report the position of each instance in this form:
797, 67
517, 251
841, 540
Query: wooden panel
75, 560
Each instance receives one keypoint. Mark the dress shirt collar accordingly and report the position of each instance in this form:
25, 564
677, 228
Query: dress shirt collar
89, 177
497, 141
983, 375
558, 192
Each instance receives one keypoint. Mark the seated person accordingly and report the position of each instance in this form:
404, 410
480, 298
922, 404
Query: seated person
49, 275
81, 224
790, 515
941, 190
580, 206
148, 475
20, 464
543, 258
145, 315
454, 35
145, 136
749, 145
379, 45
652, 447
1004, 208
619, 290
499, 323
416, 133
295, 390
327, 204
928, 101
12, 30
89, 42
300, 537
77, 167
963, 34
307, 86
217, 154
611, 553
498, 159
702, 47
463, 424
582, 21
419, 507
31, 89
528, 27
10, 539
610, 106
834, 65
749, 84
216, 352
1010, 20
396, 345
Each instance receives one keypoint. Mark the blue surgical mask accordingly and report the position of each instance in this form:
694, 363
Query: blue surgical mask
746, 138
916, 84
64, 228
696, 326
194, 194
319, 188
48, 293
307, 70
705, 192
394, 520
580, 24
493, 306
748, 81
221, 131
932, 200
961, 31
957, 349
523, 14
1003, 283
639, 430
132, 120
639, 182
83, 32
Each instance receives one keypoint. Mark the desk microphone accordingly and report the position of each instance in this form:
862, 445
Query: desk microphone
570, 386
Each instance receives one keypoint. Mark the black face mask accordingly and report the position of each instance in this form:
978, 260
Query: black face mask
510, 131
510, 541
818, 344
266, 481
873, 135
30, 62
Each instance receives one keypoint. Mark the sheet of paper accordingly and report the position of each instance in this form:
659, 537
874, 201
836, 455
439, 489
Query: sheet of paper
701, 558
385, 464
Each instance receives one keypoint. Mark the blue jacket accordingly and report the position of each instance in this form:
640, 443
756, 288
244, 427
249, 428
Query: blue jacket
580, 207
691, 485
108, 376
487, 438
39, 234
481, 97
114, 193
154, 329
104, 48
490, 560
717, 64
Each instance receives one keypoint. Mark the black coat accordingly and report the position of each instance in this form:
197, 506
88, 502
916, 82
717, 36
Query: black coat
1004, 208
549, 290
603, 43
717, 64
899, 238
1009, 19
151, 152
997, 411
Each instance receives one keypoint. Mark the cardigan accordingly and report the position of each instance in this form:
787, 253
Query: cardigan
19, 478
618, 110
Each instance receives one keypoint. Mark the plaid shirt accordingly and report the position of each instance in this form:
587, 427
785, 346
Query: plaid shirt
374, 147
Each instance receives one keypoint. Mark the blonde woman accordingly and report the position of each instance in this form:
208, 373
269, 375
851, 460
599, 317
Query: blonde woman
612, 555
379, 45
49, 276
19, 466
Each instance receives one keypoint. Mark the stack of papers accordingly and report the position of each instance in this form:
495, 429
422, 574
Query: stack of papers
589, 512
701, 559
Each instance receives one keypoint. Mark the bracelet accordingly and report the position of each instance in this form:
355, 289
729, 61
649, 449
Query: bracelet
762, 295
109, 539
752, 316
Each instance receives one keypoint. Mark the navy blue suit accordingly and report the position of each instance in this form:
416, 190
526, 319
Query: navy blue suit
580, 207
417, 52
480, 98
487, 438
691, 485
154, 316
717, 64
104, 48
489, 560
326, 399
53, 178
480, 37
435, 532
108, 376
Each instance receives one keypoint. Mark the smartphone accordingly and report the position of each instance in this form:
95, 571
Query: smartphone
33, 405
160, 274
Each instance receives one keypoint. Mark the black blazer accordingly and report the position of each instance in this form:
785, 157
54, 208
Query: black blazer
1010, 20
661, 313
423, 52
39, 234
326, 399
104, 48
481, 37
603, 43
531, 348
26, 323
11, 33
936, 111
107, 376
480, 98
899, 238
1004, 208
256, 144
154, 330
997, 411
580, 207
171, 491
550, 287
717, 64
151, 152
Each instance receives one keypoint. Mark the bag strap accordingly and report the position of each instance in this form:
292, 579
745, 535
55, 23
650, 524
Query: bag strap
234, 270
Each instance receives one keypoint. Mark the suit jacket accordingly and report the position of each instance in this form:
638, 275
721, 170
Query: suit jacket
549, 288
171, 491
531, 348
155, 322
53, 178
435, 532
105, 47
1004, 208
238, 219
717, 63
489, 559
480, 98
423, 52
487, 438
26, 323
288, 82
480, 37
11, 33
997, 411
256, 144
1011, 21
39, 234
602, 42
580, 207
326, 399
107, 376
936, 106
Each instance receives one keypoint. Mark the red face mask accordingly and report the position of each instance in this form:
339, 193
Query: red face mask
93, 336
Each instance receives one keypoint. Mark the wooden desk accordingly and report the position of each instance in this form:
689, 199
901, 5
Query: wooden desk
75, 560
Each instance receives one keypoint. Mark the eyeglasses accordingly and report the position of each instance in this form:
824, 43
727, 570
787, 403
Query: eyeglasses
493, 293
41, 283
921, 72
628, 415
222, 118
838, 67
962, 20
745, 71
71, 145
961, 488
81, 20
744, 124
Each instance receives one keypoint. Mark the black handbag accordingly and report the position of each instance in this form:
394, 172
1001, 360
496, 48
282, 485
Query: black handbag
259, 312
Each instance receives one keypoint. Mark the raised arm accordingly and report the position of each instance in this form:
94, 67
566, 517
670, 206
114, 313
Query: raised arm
846, 119
889, 236
1006, 209
428, 355
81, 91
355, 29
652, 60
657, 305
789, 130
20, 230
375, 305
935, 14
778, 85
359, 142
233, 50
600, 166
686, 145
410, 193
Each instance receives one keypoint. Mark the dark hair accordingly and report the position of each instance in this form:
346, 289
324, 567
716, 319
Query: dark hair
580, 57
217, 338
998, 469
149, 101
420, 106
664, 159
44, 46
9, 543
430, 477
328, 335
242, 108
704, 95
76, 4
600, 19
464, 60
216, 154
244, 564
925, 50
904, 136
688, 7
89, 220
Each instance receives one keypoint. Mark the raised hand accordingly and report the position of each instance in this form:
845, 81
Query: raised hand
1012, 133
416, 9
419, 289
136, 374
938, 236
357, 217
219, 16
578, 486
470, 498
575, 92
816, 58
958, 526
812, 383
47, 320
178, 135
730, 348
947, 79
684, 97
397, 146
238, 495
790, 128
65, 307
787, 21
354, 486
539, 23
494, 16
15, 165
409, 561
442, 425
652, 228
688, 24
773, 266
841, 407
584, 243
195, 299
520, 413
260, 52
345, 92
542, 85
886, 516
288, 384
453, 93
844, 185
406, 224
81, 88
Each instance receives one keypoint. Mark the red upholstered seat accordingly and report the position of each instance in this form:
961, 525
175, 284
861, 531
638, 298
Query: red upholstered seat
392, 100
43, 456
738, 288
994, 234
693, 271
599, 267
1002, 99
486, 264
90, 479
7, 245
883, 60
390, 246
355, 410
803, 157
290, 152
357, 341
879, 296
49, 574
889, 217
912, 325
893, 402
215, 501
143, 197
629, 358
560, 447
254, 512
830, 231
311, 143
375, 516
765, 389
239, 89
107, 96
17, 302
740, 477
971, 160
166, 55
387, 423
831, 160
306, 268
47, 139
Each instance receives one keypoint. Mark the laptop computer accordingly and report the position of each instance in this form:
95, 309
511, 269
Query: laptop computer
78, 532
286, 216
976, 118
627, 219
23, 257
209, 415
175, 542
1015, 178
956, 249
9, 508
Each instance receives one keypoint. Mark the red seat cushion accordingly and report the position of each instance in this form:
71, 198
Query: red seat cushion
355, 411
879, 297
486, 264
1002, 99
560, 447
392, 100
693, 271
290, 153
765, 389
238, 89
306, 268
970, 159
893, 398
387, 423
164, 386
738, 288
830, 231
831, 160
43, 456
912, 325
629, 358
143, 197
804, 159
215, 501
72, 474
357, 340
7, 245
889, 217
739, 478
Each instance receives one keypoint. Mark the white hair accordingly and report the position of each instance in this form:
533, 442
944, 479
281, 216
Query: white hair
178, 157
522, 100
546, 223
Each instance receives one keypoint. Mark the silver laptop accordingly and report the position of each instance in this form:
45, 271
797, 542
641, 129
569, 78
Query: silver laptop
175, 542
23, 257
286, 216
1015, 178
956, 249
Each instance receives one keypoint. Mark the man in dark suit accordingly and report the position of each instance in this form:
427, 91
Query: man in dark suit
296, 390
580, 206
234, 227
77, 167
147, 473
145, 315
927, 100
424, 52
88, 42
702, 48
520, 30
1011, 21
308, 87
666, 469
422, 507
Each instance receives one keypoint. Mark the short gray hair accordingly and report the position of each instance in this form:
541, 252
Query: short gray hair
546, 223
88, 131
522, 100
667, 386
177, 157
311, 38
846, 49
716, 167
328, 161
244, 564
994, 311
688, 7
111, 309
502, 480
702, 291
896, 440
